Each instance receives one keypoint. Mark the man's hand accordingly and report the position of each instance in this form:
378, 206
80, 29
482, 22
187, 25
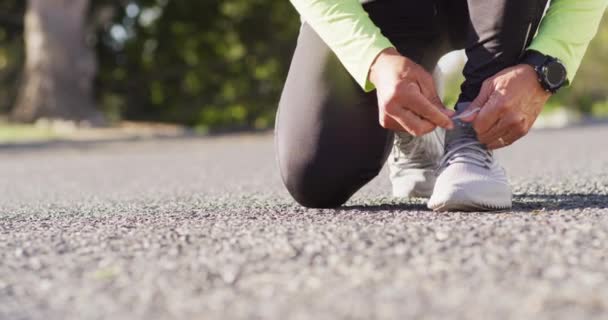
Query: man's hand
407, 98
510, 102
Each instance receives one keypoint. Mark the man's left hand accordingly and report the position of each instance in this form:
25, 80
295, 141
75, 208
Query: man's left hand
510, 102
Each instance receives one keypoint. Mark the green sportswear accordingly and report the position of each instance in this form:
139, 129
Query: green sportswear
564, 33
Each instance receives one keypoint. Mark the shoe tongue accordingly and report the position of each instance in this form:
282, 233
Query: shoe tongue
463, 131
462, 145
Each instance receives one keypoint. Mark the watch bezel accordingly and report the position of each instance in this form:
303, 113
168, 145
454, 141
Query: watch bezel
543, 65
553, 65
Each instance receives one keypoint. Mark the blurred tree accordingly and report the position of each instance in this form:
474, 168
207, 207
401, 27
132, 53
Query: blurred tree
59, 66
589, 87
11, 50
211, 64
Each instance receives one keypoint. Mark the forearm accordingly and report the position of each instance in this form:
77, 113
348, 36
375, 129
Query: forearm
347, 29
567, 29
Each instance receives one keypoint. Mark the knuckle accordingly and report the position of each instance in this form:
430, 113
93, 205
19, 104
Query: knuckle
390, 109
523, 129
427, 129
411, 88
501, 104
519, 131
512, 122
415, 130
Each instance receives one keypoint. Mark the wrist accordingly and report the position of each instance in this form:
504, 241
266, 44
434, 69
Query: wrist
534, 80
381, 59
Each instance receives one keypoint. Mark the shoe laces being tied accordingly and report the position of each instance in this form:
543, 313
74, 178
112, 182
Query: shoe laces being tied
462, 146
420, 152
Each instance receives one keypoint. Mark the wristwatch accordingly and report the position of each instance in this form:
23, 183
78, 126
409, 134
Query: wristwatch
551, 72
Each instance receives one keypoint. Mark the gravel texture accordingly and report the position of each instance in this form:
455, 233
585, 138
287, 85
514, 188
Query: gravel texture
202, 229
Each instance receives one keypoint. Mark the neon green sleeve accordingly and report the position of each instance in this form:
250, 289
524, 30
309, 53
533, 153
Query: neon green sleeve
347, 29
567, 29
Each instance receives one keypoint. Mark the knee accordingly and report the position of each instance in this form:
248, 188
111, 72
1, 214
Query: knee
329, 188
315, 191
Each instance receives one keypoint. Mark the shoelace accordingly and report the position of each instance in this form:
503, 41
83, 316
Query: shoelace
419, 150
404, 145
466, 149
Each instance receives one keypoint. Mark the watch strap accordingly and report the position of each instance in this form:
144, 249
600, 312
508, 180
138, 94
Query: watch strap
538, 61
535, 58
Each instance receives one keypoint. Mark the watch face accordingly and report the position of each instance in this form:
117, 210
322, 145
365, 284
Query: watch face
555, 74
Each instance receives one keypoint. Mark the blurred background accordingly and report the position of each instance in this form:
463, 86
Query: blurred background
206, 66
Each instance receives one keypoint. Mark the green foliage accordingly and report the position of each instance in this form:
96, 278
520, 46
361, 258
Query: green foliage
452, 89
11, 50
600, 109
10, 133
589, 86
215, 64
202, 63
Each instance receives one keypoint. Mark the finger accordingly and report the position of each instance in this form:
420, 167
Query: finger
391, 124
511, 122
500, 129
479, 102
386, 120
412, 122
429, 90
518, 128
496, 136
448, 112
490, 113
507, 140
467, 114
496, 145
427, 87
417, 103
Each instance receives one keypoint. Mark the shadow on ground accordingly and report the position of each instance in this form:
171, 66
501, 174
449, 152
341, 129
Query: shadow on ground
385, 207
530, 202
521, 203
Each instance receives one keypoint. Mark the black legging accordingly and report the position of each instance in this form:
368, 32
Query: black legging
328, 139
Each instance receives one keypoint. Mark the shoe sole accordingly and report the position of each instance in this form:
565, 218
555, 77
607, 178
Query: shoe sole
468, 207
462, 201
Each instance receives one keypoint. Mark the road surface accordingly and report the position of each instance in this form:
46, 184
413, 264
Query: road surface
202, 229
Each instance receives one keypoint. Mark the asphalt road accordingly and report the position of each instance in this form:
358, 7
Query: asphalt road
202, 229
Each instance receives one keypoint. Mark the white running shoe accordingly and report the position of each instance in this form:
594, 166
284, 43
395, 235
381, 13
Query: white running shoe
413, 163
469, 178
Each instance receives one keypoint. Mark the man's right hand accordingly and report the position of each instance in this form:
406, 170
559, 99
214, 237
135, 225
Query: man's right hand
407, 98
